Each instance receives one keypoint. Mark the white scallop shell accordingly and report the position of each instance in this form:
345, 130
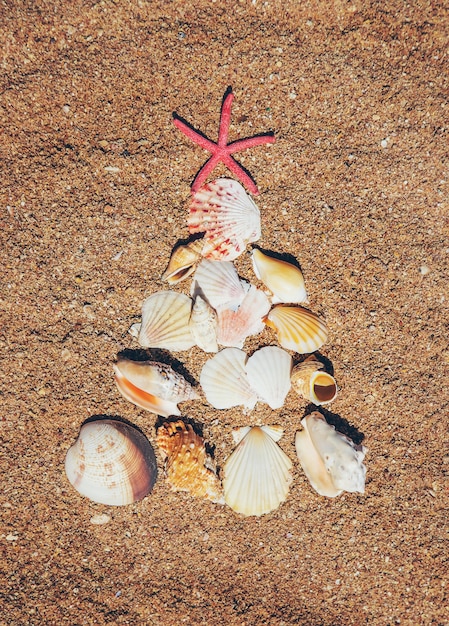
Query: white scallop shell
111, 463
203, 325
227, 215
310, 381
257, 475
297, 328
219, 283
165, 321
224, 381
284, 280
235, 326
332, 462
268, 371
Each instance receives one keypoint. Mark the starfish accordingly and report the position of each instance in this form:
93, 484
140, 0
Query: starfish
222, 150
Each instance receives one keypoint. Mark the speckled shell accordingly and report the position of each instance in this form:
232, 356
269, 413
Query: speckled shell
111, 463
227, 215
203, 325
310, 382
297, 328
187, 464
224, 380
284, 280
219, 283
234, 326
268, 371
165, 321
183, 261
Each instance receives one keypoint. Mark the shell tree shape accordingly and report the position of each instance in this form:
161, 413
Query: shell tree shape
228, 217
297, 328
152, 386
187, 464
219, 283
224, 380
183, 261
234, 326
111, 463
332, 462
311, 382
257, 475
165, 321
268, 371
284, 280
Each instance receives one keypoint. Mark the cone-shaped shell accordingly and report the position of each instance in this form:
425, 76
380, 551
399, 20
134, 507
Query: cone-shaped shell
297, 328
284, 280
165, 321
153, 386
224, 381
219, 283
183, 261
331, 461
257, 475
268, 371
187, 464
111, 463
234, 326
312, 383
203, 325
227, 215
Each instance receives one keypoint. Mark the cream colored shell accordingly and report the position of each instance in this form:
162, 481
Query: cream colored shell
297, 328
165, 321
183, 261
268, 371
235, 325
312, 383
284, 280
203, 325
224, 380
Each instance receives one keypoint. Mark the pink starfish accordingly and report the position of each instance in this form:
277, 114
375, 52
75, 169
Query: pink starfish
222, 150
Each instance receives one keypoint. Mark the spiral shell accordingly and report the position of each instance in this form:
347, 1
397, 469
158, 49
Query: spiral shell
309, 381
183, 261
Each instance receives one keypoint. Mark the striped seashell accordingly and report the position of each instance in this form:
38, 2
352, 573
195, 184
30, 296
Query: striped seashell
183, 261
268, 371
310, 381
234, 326
165, 321
219, 283
224, 381
284, 280
203, 325
297, 328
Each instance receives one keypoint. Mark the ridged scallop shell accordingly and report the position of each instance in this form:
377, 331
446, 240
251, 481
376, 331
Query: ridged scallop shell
234, 326
257, 475
219, 283
111, 463
297, 328
227, 215
332, 462
284, 280
165, 321
153, 386
268, 371
183, 261
310, 382
187, 464
203, 325
224, 380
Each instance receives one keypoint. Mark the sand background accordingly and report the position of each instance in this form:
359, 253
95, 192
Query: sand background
355, 188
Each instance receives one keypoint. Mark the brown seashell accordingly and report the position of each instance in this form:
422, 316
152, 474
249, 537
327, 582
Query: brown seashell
188, 466
313, 384
183, 261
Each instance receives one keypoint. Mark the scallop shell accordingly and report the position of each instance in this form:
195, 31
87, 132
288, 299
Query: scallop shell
224, 380
332, 462
153, 386
165, 321
257, 475
284, 280
188, 466
297, 328
111, 463
309, 381
235, 326
219, 283
227, 215
268, 371
183, 261
203, 325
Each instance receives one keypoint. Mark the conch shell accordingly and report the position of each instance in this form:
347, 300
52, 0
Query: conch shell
284, 280
183, 261
309, 381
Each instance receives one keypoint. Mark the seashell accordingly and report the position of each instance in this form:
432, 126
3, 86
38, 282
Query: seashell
224, 380
183, 261
297, 328
111, 463
268, 371
165, 321
331, 461
235, 326
257, 475
309, 381
203, 325
227, 215
284, 280
219, 283
188, 466
153, 386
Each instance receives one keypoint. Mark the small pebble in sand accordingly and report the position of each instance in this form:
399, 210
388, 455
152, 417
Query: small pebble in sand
423, 270
12, 537
100, 518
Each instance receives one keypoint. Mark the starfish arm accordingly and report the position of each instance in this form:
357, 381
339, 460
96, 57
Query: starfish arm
205, 171
189, 132
225, 120
250, 142
238, 170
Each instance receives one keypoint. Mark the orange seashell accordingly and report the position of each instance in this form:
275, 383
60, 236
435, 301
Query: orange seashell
297, 328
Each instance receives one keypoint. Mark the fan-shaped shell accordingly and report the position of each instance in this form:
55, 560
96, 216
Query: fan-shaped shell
219, 283
224, 381
188, 466
111, 463
310, 381
165, 321
234, 326
203, 325
183, 261
257, 475
227, 215
331, 461
153, 386
284, 280
268, 371
297, 328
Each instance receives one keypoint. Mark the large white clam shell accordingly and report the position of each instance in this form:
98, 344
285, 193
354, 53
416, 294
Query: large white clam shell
284, 280
331, 461
224, 380
203, 325
219, 283
297, 328
165, 321
268, 371
257, 475
111, 463
310, 381
227, 215
234, 326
